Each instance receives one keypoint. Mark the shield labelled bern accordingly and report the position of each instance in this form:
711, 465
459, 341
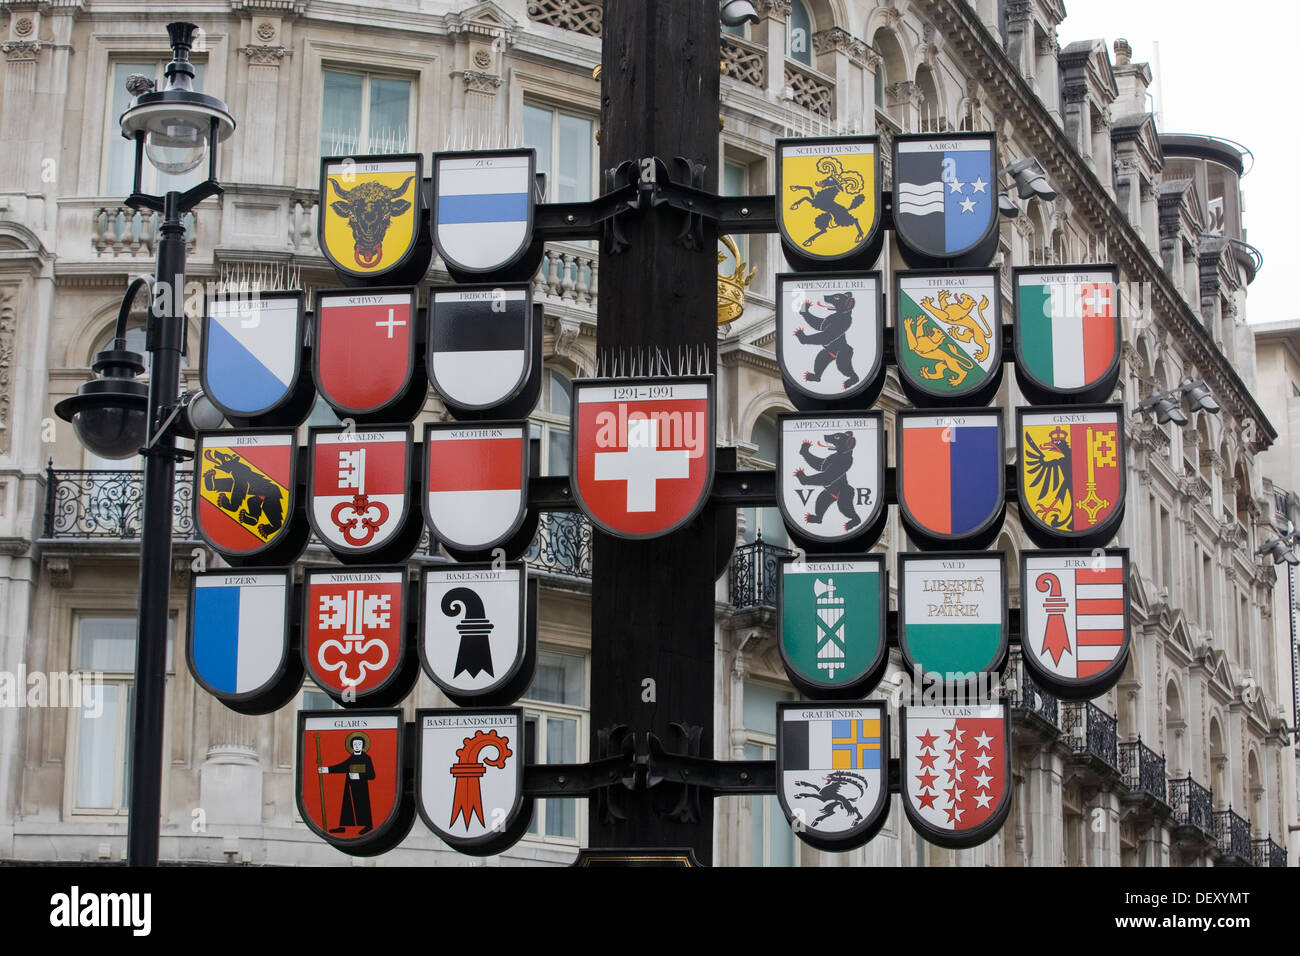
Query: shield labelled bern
244, 490
830, 477
948, 336
251, 349
364, 349
830, 338
946, 199
473, 637
239, 635
354, 632
480, 340
370, 213
832, 776
827, 203
951, 477
360, 487
482, 210
475, 482
952, 622
1067, 333
1072, 474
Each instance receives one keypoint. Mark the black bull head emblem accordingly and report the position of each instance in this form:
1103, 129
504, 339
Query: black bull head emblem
369, 208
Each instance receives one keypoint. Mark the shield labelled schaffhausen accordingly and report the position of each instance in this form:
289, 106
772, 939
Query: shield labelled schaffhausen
950, 476
480, 344
832, 771
952, 620
948, 336
830, 331
1067, 332
475, 483
360, 492
363, 355
830, 478
482, 218
827, 201
946, 199
244, 495
370, 215
251, 366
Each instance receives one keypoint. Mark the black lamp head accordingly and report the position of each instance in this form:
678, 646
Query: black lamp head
110, 413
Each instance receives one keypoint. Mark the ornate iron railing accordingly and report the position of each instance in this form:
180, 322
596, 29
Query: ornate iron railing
1028, 696
562, 545
1267, 853
1233, 834
1193, 805
83, 503
1090, 731
745, 61
1142, 769
753, 577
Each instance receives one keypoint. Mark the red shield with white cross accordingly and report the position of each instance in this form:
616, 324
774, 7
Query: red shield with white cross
359, 486
354, 629
364, 350
642, 452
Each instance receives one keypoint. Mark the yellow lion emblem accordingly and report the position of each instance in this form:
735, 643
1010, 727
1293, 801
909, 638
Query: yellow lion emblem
965, 320
933, 346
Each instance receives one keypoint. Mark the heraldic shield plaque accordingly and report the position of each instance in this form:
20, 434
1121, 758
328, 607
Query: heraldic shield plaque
830, 477
480, 344
483, 212
350, 779
1072, 474
369, 223
475, 482
827, 201
360, 489
1075, 620
251, 353
470, 778
1067, 333
952, 623
829, 338
364, 352
832, 771
955, 762
244, 485
948, 336
832, 624
946, 199
950, 476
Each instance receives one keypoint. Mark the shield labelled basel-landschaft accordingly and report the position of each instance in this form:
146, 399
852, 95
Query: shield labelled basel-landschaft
251, 349
470, 777
244, 493
475, 482
350, 778
827, 201
952, 622
1074, 619
354, 633
360, 487
1067, 332
946, 199
950, 476
480, 344
832, 776
1072, 474
832, 624
370, 209
830, 477
483, 211
830, 338
956, 767
948, 336
642, 452
364, 350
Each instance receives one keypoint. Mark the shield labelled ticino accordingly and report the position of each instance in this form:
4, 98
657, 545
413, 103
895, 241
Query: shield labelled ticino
369, 219
950, 476
827, 201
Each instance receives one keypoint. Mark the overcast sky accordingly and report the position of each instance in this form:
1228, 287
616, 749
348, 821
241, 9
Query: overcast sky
1226, 68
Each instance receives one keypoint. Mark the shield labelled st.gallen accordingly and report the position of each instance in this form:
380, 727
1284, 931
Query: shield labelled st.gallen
950, 476
830, 478
244, 489
827, 202
369, 218
832, 771
830, 331
946, 199
1072, 474
948, 336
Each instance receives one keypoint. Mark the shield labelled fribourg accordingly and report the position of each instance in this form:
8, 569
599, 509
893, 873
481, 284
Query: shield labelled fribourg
828, 209
952, 623
832, 625
951, 477
470, 777
244, 491
1075, 619
354, 633
946, 199
956, 767
251, 349
1072, 474
642, 452
1067, 331
830, 477
829, 338
480, 340
475, 482
482, 210
364, 349
370, 214
360, 487
239, 636
832, 777
474, 637
948, 336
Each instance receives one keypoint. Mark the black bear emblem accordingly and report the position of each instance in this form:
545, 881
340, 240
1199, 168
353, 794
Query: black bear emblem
831, 335
260, 498
833, 480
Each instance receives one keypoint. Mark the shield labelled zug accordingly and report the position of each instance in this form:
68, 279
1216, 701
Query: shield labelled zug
482, 221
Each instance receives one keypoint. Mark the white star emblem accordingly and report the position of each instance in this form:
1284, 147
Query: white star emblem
968, 205
979, 185
983, 741
983, 799
955, 185
982, 780
983, 759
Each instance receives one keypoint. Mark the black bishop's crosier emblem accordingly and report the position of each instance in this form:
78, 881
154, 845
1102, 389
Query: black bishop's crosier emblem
475, 653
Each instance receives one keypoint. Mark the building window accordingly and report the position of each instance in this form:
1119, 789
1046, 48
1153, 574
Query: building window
119, 153
550, 422
735, 182
771, 839
364, 114
555, 707
799, 33
765, 521
566, 151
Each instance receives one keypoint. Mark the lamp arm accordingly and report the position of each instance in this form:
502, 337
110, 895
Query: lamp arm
136, 284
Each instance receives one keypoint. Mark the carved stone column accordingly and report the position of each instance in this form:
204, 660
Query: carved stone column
230, 779
22, 52
261, 140
774, 21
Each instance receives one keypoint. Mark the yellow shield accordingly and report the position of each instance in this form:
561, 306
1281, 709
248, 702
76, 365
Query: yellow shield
826, 195
369, 213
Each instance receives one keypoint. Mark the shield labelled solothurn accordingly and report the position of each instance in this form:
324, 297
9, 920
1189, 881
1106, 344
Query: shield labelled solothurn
369, 217
832, 771
948, 336
950, 476
952, 621
251, 352
244, 485
830, 478
360, 491
483, 212
830, 338
475, 483
363, 355
480, 344
1067, 333
827, 201
946, 199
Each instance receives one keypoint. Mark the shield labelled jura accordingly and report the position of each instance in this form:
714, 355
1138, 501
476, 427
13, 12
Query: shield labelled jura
830, 477
830, 338
948, 336
952, 621
1072, 474
244, 485
946, 199
483, 211
827, 201
369, 219
1067, 331
950, 476
251, 352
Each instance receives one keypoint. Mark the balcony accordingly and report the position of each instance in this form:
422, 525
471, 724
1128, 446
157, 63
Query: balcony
562, 547
1091, 736
1192, 805
1233, 835
1031, 699
570, 273
753, 576
745, 61
814, 91
108, 504
1267, 853
1143, 771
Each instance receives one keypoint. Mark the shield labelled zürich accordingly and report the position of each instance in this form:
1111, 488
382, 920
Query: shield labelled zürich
832, 625
952, 621
360, 487
470, 777
475, 482
364, 349
474, 635
251, 349
950, 476
642, 452
946, 199
480, 344
830, 477
1067, 333
1072, 474
354, 631
1074, 614
827, 201
948, 336
956, 767
482, 210
832, 771
370, 213
239, 634
244, 490
830, 331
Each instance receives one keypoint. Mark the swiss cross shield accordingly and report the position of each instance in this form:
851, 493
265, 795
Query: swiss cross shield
832, 771
830, 476
948, 336
1067, 332
244, 491
946, 198
369, 215
952, 622
364, 348
1075, 619
354, 631
480, 342
956, 767
359, 487
475, 482
470, 777
642, 452
483, 209
829, 337
950, 476
1072, 473
251, 349
827, 201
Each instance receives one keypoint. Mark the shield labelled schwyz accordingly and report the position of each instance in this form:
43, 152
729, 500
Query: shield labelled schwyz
251, 366
350, 779
946, 199
1074, 620
950, 476
475, 483
470, 777
952, 617
1072, 474
363, 355
830, 338
832, 771
244, 495
370, 218
955, 763
948, 336
360, 492
830, 478
480, 344
1067, 329
831, 617
827, 202
482, 217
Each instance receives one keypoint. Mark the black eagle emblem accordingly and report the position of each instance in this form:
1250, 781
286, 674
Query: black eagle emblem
1048, 472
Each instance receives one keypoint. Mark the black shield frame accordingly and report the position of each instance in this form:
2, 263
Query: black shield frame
870, 383
976, 254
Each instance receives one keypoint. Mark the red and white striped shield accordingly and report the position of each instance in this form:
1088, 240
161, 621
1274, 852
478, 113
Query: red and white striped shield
475, 482
359, 486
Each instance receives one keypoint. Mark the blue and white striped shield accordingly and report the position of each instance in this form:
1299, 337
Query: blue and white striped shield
239, 632
483, 208
251, 348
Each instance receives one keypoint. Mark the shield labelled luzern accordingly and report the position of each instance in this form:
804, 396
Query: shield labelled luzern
370, 216
827, 201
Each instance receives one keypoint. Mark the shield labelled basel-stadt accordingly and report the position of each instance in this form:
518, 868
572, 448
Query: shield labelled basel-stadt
830, 338
1067, 333
948, 336
364, 349
832, 624
482, 210
832, 771
946, 199
827, 201
244, 491
642, 452
360, 487
951, 477
251, 349
952, 622
830, 477
474, 633
370, 213
475, 482
354, 631
480, 344
239, 635
956, 767
1075, 619
1072, 475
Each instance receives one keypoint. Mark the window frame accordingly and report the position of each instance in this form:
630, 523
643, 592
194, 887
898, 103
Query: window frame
556, 110
537, 712
150, 178
364, 147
